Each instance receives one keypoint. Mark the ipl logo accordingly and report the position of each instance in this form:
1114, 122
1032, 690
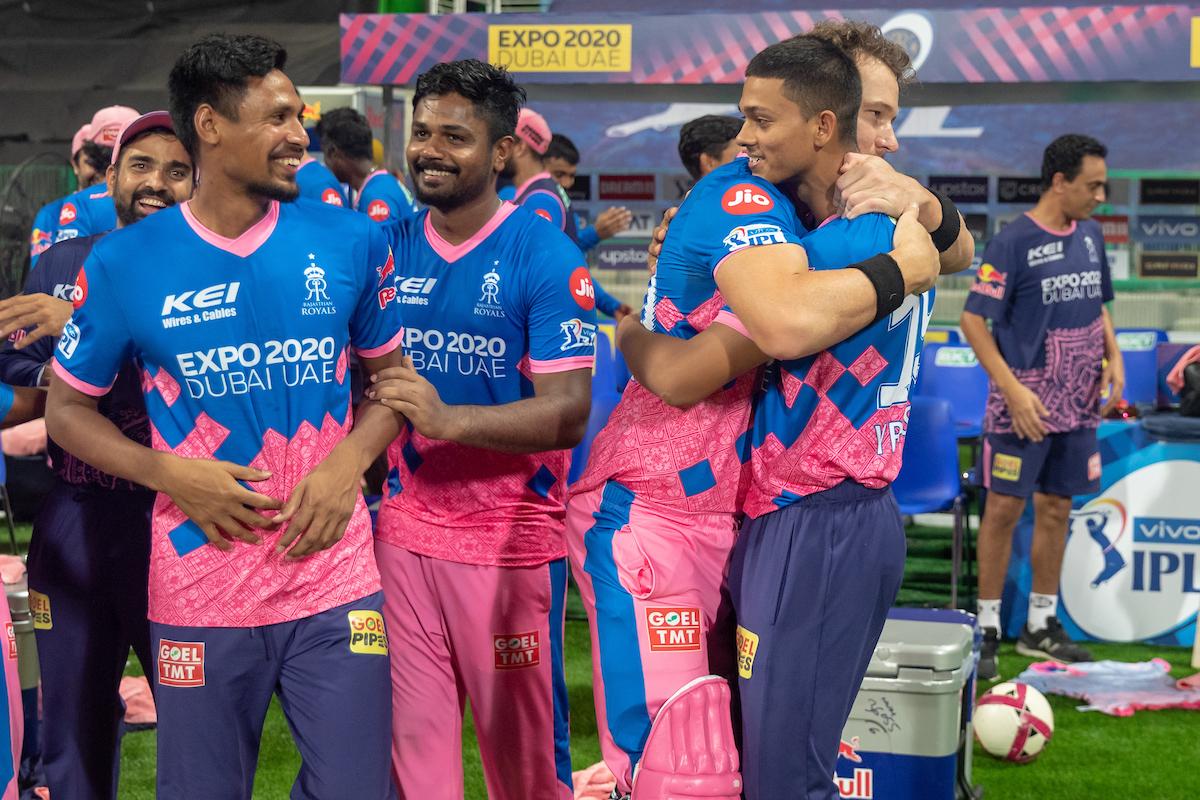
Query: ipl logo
1097, 518
490, 288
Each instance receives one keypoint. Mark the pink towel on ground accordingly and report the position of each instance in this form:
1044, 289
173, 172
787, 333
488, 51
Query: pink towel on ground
139, 702
594, 783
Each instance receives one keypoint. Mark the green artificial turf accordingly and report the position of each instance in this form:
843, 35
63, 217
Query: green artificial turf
1148, 756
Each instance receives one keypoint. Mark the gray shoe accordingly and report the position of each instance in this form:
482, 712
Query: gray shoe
1051, 642
988, 669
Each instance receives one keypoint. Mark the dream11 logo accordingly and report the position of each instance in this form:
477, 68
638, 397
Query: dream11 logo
1131, 571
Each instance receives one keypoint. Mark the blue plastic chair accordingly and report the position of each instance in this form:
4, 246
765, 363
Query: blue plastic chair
1139, 350
929, 481
953, 373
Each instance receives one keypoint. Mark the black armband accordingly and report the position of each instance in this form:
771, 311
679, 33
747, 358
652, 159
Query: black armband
947, 233
885, 275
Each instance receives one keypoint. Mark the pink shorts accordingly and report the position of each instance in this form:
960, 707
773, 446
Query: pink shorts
491, 635
653, 583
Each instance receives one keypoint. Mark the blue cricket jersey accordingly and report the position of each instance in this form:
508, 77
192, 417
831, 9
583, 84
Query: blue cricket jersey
243, 347
318, 183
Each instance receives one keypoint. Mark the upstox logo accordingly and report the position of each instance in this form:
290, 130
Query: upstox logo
1166, 530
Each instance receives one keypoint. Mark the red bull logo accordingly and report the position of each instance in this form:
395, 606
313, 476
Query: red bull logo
517, 650
849, 750
388, 269
39, 241
860, 785
990, 282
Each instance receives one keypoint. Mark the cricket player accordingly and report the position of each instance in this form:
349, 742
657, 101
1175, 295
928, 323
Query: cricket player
500, 336
242, 331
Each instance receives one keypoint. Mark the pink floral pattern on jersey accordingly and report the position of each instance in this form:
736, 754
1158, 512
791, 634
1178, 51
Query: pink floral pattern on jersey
824, 372
475, 506
868, 366
647, 443
1068, 385
167, 386
251, 585
667, 314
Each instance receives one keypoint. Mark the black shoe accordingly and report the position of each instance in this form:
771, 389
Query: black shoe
988, 669
616, 795
1051, 642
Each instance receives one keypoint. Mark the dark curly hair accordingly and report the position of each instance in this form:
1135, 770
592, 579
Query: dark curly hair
491, 90
1065, 154
215, 71
709, 135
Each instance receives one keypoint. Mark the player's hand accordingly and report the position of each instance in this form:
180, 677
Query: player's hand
612, 221
914, 252
404, 390
658, 237
870, 184
210, 494
320, 507
622, 312
1112, 379
45, 314
1027, 412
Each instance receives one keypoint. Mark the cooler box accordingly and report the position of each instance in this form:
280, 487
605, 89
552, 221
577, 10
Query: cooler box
909, 732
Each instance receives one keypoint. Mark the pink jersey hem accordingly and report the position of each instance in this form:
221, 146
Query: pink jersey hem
243, 246
453, 252
75, 383
383, 349
730, 320
561, 364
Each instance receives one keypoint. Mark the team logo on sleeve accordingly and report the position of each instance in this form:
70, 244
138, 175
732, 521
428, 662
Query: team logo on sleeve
388, 269
68, 214
367, 634
517, 650
577, 333
582, 289
753, 235
673, 628
746, 198
378, 210
317, 302
331, 197
69, 340
180, 663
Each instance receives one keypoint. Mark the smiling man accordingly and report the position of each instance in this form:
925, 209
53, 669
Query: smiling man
241, 326
90, 551
500, 330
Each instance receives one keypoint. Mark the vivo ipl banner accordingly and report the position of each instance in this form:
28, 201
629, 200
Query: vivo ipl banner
1131, 570
976, 45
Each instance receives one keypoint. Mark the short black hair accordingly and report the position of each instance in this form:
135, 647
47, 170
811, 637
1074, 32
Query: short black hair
817, 75
708, 135
491, 90
562, 147
348, 131
1065, 154
215, 70
96, 154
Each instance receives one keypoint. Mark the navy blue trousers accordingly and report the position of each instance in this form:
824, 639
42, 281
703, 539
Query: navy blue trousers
333, 679
90, 557
812, 584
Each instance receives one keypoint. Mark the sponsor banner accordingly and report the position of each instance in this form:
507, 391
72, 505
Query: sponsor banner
1024, 191
961, 188
973, 141
1115, 228
621, 256
626, 187
1170, 265
673, 188
561, 48
643, 223
1170, 191
581, 190
1169, 231
1118, 264
977, 224
971, 45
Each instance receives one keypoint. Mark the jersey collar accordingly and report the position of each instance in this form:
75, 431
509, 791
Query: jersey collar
453, 252
244, 245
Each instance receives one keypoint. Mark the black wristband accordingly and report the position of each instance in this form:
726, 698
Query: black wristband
947, 233
885, 275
